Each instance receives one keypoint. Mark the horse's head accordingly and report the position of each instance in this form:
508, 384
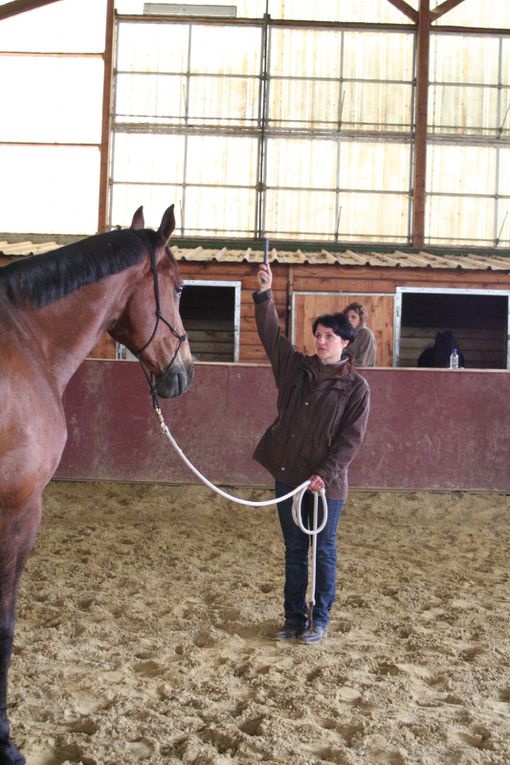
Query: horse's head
150, 324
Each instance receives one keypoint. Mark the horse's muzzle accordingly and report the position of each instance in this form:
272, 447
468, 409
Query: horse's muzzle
174, 381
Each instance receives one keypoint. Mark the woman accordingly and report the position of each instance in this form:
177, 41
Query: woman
322, 415
363, 348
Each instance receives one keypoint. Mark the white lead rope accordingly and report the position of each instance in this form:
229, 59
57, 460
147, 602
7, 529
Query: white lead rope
297, 494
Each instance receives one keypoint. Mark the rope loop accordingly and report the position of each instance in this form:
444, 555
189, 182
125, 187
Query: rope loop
297, 515
297, 494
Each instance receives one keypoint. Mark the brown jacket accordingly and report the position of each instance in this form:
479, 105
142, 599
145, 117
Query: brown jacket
322, 411
363, 347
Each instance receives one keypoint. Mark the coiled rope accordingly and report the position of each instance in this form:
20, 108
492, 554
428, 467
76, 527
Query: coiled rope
297, 494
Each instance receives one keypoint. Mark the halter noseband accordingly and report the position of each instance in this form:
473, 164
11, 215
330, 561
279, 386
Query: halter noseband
150, 377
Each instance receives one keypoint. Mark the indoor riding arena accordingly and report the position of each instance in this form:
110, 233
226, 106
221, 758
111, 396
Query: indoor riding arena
363, 151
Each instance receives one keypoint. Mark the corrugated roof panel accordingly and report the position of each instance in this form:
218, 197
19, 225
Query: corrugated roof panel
395, 259
436, 261
20, 249
410, 260
476, 262
289, 258
349, 258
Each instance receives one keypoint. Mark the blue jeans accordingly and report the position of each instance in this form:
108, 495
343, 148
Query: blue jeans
296, 558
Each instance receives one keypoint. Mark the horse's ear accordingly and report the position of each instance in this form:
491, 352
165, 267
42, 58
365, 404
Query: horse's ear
167, 225
138, 219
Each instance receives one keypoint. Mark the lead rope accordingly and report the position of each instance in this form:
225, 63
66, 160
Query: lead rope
297, 494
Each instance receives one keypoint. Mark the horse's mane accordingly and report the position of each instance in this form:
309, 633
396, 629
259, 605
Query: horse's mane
42, 279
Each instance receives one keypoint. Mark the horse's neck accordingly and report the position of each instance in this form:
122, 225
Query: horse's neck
69, 328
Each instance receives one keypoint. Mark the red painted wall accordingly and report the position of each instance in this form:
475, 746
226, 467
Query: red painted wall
428, 429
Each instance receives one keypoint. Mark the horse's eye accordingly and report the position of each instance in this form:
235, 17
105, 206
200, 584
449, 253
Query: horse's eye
179, 290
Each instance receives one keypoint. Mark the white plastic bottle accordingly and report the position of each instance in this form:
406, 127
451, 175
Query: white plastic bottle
454, 359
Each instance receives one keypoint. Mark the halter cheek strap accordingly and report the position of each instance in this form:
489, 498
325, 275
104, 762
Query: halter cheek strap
150, 377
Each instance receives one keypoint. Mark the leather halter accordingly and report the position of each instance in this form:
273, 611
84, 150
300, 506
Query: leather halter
159, 317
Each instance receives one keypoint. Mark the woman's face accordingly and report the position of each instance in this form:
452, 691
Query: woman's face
329, 346
353, 318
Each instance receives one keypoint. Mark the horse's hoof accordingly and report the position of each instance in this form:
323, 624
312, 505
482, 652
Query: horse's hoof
9, 755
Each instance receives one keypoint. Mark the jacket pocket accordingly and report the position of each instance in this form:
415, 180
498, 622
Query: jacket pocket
314, 452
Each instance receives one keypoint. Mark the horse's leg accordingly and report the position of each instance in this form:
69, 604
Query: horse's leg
17, 534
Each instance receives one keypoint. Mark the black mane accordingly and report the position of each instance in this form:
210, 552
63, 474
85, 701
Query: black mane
42, 279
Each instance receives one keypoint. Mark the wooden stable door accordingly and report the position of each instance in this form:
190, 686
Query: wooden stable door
307, 306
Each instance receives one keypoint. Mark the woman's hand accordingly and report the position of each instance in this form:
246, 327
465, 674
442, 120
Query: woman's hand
316, 483
264, 277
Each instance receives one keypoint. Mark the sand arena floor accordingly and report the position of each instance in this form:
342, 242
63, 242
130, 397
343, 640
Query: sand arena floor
143, 620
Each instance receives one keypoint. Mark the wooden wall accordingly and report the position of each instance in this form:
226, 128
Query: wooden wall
482, 344
351, 281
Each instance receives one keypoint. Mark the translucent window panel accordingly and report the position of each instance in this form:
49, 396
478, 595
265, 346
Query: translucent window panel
152, 47
155, 199
305, 52
42, 103
150, 98
219, 212
373, 217
50, 189
77, 26
219, 160
463, 110
478, 13
464, 59
225, 50
505, 61
300, 214
253, 9
504, 118
304, 103
337, 10
223, 100
301, 164
376, 106
378, 56
454, 169
148, 158
374, 166
504, 172
459, 220
503, 223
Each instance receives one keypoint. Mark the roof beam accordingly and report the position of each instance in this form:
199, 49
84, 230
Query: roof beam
20, 6
406, 9
421, 117
106, 124
443, 8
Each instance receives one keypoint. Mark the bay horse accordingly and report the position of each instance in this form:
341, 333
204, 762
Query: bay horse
54, 308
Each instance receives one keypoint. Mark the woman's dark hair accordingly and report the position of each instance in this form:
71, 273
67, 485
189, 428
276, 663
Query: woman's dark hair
338, 322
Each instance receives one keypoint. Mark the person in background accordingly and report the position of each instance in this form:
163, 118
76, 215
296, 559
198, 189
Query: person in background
363, 348
323, 406
438, 355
